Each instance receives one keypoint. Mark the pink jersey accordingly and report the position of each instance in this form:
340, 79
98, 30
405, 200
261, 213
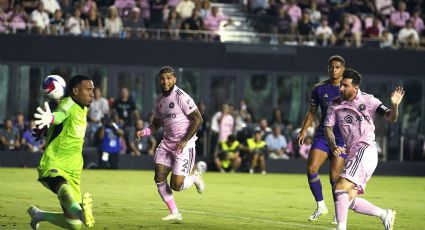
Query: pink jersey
173, 111
355, 119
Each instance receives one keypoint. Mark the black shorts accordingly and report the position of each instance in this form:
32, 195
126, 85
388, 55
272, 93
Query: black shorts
53, 182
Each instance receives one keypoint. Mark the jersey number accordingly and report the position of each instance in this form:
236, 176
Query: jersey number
185, 165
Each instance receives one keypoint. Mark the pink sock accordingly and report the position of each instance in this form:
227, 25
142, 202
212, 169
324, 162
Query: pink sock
363, 206
166, 194
188, 181
341, 205
171, 204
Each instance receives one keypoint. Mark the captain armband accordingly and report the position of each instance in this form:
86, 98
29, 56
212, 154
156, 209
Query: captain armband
382, 110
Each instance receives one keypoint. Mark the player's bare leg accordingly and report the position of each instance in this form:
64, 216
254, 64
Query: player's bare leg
180, 183
316, 158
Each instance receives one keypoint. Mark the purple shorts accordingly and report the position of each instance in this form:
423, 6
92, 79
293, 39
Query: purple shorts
322, 144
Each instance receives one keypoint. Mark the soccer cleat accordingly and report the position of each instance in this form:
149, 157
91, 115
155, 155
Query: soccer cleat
88, 218
389, 219
200, 184
320, 211
32, 211
173, 217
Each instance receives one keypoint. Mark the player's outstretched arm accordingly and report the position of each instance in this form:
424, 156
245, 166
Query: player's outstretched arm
195, 122
44, 118
396, 97
153, 127
308, 120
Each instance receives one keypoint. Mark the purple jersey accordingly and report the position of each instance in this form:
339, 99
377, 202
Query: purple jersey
355, 119
321, 96
173, 111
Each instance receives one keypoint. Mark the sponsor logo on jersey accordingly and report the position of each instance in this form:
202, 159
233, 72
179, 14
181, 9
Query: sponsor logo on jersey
171, 105
348, 118
168, 115
362, 107
361, 118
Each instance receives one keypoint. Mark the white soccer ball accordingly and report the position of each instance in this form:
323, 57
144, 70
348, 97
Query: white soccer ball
202, 166
54, 87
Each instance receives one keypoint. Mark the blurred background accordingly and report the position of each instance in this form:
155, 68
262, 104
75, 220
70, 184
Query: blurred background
256, 60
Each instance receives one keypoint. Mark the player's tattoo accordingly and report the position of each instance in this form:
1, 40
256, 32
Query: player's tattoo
330, 137
156, 123
195, 122
161, 172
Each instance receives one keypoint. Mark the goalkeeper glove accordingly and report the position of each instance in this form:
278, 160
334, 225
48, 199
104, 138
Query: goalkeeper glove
43, 118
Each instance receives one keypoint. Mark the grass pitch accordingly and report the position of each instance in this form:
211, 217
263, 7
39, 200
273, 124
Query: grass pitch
129, 200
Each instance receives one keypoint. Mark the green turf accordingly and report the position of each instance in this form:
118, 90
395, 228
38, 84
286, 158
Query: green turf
129, 200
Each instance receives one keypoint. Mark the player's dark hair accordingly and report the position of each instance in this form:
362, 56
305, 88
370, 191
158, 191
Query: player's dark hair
76, 80
336, 58
354, 75
167, 69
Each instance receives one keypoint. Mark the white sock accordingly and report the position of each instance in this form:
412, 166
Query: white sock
341, 226
188, 181
321, 204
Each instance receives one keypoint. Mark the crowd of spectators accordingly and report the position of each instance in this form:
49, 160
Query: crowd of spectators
119, 18
233, 136
353, 23
350, 23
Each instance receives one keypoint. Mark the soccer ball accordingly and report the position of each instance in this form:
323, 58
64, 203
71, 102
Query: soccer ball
202, 166
54, 87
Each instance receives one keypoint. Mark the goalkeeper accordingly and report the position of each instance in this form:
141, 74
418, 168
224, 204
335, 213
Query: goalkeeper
62, 161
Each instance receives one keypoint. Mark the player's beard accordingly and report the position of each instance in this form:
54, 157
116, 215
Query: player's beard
167, 92
346, 96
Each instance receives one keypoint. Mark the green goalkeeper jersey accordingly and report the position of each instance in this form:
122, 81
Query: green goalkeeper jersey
65, 137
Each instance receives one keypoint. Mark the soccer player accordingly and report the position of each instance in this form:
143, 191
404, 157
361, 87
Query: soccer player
62, 161
354, 112
321, 96
179, 115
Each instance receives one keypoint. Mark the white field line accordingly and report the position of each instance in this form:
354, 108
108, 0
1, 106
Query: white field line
256, 219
